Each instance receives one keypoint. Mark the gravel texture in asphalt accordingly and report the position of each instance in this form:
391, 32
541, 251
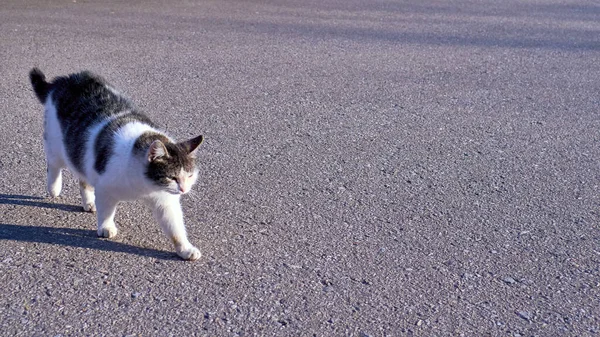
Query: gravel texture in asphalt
370, 168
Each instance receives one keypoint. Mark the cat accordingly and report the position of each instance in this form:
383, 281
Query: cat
116, 152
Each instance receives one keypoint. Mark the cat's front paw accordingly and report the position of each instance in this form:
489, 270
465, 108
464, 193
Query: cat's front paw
89, 207
107, 232
191, 254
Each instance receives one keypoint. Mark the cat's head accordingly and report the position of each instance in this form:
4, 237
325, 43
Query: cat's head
172, 166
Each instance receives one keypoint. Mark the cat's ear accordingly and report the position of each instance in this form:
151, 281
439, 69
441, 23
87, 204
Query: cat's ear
157, 150
192, 145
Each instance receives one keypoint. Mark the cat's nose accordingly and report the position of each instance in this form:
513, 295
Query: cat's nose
181, 189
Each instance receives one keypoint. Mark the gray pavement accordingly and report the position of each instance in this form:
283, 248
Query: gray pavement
370, 168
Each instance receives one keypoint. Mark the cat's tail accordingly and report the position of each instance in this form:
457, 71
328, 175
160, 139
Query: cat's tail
40, 86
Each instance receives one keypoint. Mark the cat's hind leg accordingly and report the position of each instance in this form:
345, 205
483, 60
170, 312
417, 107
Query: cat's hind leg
52, 148
106, 207
87, 196
54, 165
54, 180
167, 210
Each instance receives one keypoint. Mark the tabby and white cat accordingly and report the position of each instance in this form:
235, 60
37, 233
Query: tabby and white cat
116, 152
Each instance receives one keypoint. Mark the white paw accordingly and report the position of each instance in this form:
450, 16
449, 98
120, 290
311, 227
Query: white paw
89, 207
54, 183
191, 254
107, 231
54, 190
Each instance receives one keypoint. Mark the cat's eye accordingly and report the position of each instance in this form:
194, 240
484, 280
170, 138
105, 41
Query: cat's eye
175, 179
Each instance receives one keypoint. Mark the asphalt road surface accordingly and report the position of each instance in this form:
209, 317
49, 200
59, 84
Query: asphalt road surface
370, 168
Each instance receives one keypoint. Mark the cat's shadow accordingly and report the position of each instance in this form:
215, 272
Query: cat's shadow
74, 237
25, 200
81, 238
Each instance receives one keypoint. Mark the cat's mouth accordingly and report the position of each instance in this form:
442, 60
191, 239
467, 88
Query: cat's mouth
177, 191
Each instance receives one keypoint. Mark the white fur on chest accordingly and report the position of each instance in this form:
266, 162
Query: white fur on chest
124, 173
